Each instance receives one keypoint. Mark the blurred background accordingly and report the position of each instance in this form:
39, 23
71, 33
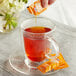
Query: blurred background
63, 11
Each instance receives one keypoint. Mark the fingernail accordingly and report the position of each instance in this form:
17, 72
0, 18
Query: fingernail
44, 3
51, 1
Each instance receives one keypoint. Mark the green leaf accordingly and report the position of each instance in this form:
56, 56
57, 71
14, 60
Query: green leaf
1, 14
8, 16
19, 0
9, 26
13, 18
14, 24
11, 5
11, 21
25, 1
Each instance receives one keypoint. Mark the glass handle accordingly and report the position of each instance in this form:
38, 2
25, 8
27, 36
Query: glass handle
55, 51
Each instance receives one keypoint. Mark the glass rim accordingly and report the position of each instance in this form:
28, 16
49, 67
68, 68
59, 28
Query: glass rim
53, 29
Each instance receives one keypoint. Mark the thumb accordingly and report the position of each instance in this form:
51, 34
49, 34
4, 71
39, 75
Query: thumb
44, 3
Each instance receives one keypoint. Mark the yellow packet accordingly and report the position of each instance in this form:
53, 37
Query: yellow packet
62, 63
45, 67
36, 8
52, 66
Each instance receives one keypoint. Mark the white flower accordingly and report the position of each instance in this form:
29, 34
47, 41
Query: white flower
4, 5
11, 6
18, 6
9, 13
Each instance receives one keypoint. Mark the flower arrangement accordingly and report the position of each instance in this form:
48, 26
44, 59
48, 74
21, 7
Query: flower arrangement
8, 13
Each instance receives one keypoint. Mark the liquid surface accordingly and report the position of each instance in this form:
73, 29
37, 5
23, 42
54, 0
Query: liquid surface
38, 29
36, 48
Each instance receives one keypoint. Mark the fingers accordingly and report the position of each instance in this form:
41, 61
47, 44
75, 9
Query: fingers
51, 1
44, 3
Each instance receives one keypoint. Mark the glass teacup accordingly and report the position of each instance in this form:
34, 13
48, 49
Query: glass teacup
38, 41
38, 45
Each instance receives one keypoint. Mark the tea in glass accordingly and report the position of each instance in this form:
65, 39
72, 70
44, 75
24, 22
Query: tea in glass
36, 45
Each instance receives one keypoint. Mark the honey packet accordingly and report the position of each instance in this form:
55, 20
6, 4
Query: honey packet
47, 66
36, 8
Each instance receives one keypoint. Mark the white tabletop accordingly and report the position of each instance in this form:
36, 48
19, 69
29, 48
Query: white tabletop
66, 39
63, 11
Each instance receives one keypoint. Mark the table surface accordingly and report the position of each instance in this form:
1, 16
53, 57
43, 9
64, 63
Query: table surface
64, 35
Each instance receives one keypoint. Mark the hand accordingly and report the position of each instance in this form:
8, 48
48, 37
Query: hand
45, 3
